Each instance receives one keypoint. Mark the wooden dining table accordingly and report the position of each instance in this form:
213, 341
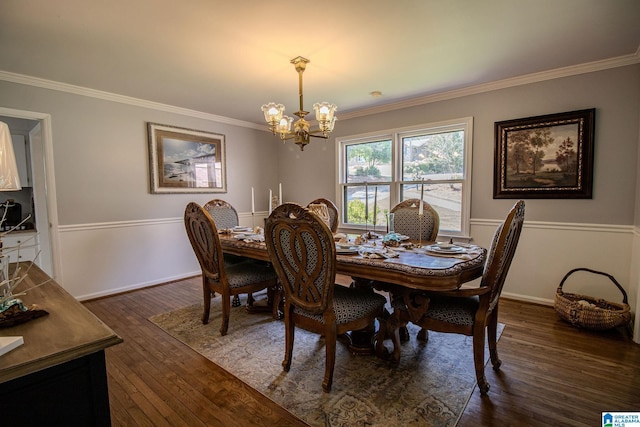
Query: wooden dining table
411, 269
406, 275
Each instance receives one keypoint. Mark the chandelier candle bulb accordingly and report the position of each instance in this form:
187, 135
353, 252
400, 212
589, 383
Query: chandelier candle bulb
284, 125
273, 112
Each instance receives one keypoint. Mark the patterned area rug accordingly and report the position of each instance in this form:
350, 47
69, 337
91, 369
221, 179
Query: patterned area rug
429, 387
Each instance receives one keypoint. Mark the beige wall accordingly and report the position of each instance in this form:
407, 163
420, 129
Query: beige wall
101, 157
600, 233
614, 93
115, 236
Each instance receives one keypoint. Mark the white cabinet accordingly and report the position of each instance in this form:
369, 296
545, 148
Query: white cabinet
22, 159
21, 246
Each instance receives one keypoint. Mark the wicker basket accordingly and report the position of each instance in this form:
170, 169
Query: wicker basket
591, 313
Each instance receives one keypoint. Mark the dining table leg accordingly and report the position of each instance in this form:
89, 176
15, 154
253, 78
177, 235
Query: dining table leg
361, 342
408, 306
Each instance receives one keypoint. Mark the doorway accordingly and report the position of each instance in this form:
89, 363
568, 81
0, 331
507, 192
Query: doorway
37, 128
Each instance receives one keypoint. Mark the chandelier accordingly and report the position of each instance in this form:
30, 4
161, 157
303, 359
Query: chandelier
281, 124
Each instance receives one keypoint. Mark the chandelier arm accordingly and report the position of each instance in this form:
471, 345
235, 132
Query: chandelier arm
289, 136
313, 132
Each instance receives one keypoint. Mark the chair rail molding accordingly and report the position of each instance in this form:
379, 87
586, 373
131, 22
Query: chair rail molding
548, 250
127, 255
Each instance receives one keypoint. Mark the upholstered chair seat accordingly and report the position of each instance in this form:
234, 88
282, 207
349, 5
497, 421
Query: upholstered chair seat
348, 305
456, 311
245, 273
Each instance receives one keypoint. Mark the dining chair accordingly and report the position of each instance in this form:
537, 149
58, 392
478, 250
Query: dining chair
303, 252
408, 222
334, 215
223, 213
225, 217
226, 279
471, 311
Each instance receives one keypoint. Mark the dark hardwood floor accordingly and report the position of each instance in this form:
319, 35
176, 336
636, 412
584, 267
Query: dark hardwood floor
552, 374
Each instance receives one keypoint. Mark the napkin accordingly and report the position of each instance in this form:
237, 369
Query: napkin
379, 253
254, 238
469, 253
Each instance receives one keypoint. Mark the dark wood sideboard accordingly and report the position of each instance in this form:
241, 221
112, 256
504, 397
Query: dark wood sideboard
58, 376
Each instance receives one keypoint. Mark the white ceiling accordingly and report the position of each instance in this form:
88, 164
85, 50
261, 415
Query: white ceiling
227, 58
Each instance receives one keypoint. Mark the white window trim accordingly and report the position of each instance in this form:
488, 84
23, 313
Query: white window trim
395, 136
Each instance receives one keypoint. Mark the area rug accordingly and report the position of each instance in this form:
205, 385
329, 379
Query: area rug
430, 386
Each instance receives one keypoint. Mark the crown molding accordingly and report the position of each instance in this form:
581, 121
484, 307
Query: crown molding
573, 70
589, 67
108, 96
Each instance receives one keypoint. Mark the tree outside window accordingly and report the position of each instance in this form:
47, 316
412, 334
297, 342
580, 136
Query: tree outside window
436, 157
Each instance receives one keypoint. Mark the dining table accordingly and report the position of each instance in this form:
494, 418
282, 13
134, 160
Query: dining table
406, 271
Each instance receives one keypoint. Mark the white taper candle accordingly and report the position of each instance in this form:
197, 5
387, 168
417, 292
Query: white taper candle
366, 202
421, 208
375, 204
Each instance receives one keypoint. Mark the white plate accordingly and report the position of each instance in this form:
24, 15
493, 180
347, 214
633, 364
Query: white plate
451, 250
238, 229
445, 245
345, 245
342, 251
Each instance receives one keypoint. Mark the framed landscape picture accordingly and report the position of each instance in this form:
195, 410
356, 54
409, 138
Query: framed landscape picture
185, 160
547, 156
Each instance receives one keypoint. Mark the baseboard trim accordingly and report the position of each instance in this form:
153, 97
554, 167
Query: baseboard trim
525, 298
135, 286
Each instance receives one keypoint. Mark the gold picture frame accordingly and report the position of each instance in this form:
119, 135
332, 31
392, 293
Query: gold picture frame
185, 160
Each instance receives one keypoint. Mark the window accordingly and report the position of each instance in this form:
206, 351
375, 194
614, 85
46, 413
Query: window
378, 171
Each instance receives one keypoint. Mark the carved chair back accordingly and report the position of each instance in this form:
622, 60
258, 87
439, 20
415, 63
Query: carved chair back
303, 253
204, 239
223, 214
500, 254
332, 211
407, 221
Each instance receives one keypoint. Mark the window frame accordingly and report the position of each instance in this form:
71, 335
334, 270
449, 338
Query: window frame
395, 185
